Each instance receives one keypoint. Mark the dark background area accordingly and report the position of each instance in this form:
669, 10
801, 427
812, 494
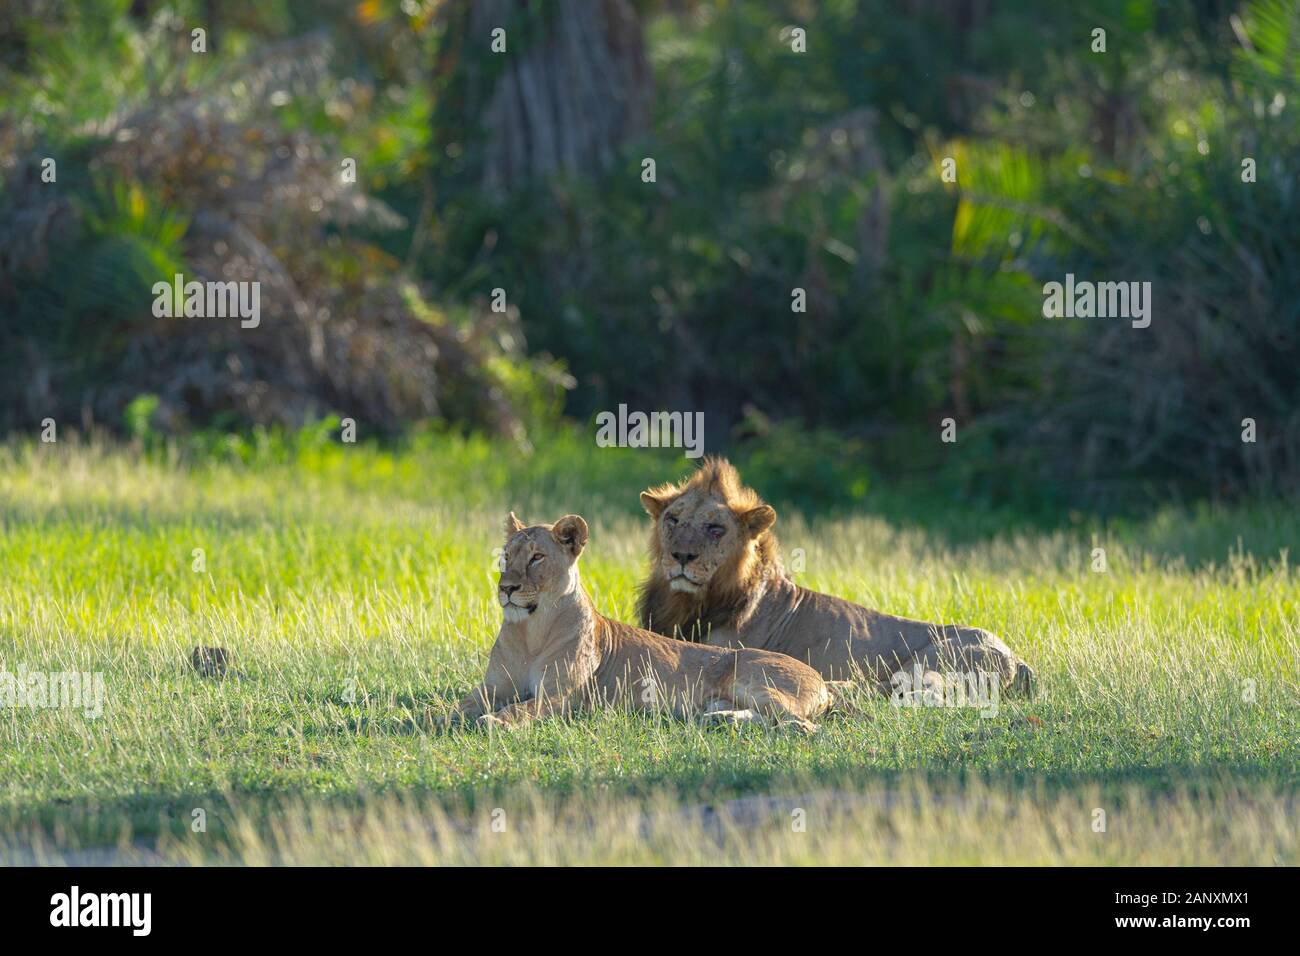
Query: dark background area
775, 170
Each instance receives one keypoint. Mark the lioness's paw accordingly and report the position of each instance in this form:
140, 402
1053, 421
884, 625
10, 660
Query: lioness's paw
732, 718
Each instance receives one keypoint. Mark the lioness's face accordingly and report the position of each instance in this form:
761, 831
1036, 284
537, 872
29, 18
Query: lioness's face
538, 563
698, 535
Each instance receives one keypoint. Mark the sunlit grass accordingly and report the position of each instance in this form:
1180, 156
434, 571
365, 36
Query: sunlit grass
355, 594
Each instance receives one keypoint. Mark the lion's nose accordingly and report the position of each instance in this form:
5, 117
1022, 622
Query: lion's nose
509, 589
683, 558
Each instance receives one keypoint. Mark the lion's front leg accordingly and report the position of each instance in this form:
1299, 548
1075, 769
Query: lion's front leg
952, 648
497, 690
523, 712
473, 706
559, 686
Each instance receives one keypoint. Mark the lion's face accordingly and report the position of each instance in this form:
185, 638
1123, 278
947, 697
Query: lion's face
539, 563
700, 534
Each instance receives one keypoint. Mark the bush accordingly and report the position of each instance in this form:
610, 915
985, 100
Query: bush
204, 178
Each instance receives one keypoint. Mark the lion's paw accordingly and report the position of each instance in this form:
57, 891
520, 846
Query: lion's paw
731, 718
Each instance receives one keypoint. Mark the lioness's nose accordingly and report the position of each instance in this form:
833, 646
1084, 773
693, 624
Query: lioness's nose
509, 589
684, 558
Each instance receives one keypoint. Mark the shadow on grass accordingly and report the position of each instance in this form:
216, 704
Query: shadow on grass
141, 819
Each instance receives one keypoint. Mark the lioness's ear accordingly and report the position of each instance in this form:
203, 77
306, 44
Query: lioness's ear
513, 524
757, 520
655, 500
571, 532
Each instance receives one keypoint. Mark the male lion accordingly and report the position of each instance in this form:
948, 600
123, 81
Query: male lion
555, 651
716, 576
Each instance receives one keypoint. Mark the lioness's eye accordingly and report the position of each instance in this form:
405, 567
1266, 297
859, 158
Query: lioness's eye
716, 530
670, 519
536, 557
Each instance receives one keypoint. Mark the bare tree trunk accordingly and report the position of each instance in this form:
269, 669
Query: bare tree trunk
572, 87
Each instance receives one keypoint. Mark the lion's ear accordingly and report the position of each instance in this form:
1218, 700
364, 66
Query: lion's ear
655, 500
513, 525
571, 533
757, 520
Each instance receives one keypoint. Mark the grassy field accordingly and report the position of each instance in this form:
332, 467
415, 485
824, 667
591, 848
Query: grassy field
354, 588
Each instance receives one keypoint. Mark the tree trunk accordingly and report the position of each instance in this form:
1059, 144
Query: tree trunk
572, 87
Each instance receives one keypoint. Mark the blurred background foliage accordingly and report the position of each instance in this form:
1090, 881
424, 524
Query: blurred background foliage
775, 170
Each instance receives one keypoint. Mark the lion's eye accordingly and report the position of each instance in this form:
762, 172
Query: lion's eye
536, 557
716, 530
670, 519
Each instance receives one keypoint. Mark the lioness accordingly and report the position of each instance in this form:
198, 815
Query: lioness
555, 651
716, 576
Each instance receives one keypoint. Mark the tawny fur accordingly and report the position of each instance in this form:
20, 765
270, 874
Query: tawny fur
555, 652
734, 591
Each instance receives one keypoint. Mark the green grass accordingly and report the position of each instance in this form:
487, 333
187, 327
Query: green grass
354, 588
